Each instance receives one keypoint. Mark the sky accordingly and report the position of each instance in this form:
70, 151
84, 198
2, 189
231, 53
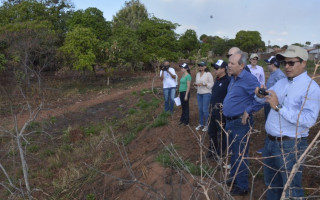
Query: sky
280, 22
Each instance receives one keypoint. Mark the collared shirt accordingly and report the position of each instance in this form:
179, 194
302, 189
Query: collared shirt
219, 92
240, 96
168, 81
274, 77
259, 73
300, 107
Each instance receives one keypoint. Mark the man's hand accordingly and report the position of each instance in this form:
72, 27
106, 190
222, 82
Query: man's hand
272, 99
245, 118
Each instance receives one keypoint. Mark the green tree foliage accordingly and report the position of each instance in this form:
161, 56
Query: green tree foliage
11, 12
158, 39
298, 44
249, 41
29, 46
91, 18
80, 47
126, 48
189, 43
131, 15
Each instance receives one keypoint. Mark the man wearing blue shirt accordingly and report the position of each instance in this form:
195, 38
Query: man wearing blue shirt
295, 104
238, 106
275, 75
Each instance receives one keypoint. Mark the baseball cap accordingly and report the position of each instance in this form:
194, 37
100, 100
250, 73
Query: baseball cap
202, 63
219, 64
292, 52
254, 55
184, 65
272, 60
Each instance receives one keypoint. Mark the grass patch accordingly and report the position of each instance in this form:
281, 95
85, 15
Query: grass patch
93, 129
161, 120
168, 159
33, 148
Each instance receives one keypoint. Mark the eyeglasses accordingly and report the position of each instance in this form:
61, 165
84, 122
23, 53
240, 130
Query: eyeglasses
290, 63
228, 55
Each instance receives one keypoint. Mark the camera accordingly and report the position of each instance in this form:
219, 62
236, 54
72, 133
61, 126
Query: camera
262, 91
165, 67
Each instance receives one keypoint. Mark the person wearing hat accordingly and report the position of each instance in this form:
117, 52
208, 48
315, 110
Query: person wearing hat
204, 83
217, 144
255, 69
295, 108
168, 76
275, 75
184, 93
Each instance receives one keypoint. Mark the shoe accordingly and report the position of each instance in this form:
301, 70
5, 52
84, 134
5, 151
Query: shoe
205, 129
180, 123
238, 192
227, 166
260, 151
209, 154
186, 124
199, 127
229, 181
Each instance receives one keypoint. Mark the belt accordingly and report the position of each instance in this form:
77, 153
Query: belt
274, 138
234, 117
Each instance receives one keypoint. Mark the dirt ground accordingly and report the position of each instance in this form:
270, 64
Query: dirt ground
133, 172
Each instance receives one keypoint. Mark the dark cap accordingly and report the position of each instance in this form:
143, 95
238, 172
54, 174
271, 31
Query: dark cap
220, 64
184, 65
272, 60
202, 63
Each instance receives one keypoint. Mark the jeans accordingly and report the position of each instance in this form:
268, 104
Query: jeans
203, 107
277, 168
239, 147
169, 95
185, 108
217, 142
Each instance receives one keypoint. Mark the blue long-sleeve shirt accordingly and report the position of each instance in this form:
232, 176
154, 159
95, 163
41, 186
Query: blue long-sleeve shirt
240, 96
274, 77
295, 117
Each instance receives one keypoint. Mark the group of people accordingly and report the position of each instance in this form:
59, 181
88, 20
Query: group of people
291, 106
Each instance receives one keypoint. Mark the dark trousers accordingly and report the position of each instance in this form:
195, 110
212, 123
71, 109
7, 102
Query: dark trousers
217, 143
185, 108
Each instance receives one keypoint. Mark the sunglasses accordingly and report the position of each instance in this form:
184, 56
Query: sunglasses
228, 55
290, 63
254, 59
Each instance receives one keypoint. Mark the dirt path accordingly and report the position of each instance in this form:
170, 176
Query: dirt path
111, 95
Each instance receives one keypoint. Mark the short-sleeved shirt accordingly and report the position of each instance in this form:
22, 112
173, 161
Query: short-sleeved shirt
258, 72
183, 83
168, 81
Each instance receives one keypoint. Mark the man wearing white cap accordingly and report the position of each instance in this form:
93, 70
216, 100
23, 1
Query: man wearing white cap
295, 104
255, 69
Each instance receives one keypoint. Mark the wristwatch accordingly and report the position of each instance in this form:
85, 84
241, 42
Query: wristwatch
278, 107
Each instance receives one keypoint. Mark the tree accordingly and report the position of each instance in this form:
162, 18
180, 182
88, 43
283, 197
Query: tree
158, 40
249, 41
189, 43
81, 46
308, 43
298, 44
91, 18
28, 46
131, 15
